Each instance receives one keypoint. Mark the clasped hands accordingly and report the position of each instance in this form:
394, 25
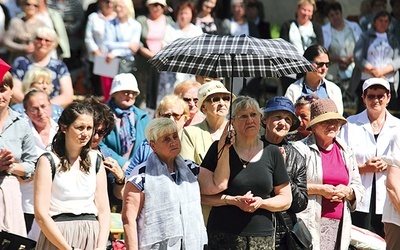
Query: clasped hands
248, 202
336, 193
6, 159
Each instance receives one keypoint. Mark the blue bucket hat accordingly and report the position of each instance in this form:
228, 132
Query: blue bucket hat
281, 103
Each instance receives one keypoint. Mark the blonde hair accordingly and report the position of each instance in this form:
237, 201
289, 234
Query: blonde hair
129, 7
184, 86
35, 74
171, 101
312, 2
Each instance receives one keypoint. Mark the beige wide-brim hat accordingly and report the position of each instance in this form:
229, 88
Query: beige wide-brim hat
324, 109
210, 88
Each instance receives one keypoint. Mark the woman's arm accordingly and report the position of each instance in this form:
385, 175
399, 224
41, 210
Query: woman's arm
42, 194
66, 92
103, 207
217, 181
392, 187
133, 200
281, 201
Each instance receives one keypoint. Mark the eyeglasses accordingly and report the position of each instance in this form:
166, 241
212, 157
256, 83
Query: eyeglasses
100, 132
36, 110
374, 97
127, 93
320, 64
218, 99
40, 39
31, 4
175, 115
195, 100
253, 116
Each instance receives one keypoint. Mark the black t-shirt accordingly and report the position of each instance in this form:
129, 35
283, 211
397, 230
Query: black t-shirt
258, 177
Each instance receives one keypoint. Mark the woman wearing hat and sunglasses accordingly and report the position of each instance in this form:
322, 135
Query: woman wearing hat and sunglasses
333, 181
315, 82
279, 119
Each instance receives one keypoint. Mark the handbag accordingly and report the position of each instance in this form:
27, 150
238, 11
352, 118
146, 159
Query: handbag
297, 238
126, 66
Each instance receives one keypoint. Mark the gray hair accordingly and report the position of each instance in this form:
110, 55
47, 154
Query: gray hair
243, 103
159, 127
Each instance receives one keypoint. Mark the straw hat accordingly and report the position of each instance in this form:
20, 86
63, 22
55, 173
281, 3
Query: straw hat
209, 88
281, 103
322, 110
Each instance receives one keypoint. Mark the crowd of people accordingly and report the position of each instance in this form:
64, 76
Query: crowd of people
210, 170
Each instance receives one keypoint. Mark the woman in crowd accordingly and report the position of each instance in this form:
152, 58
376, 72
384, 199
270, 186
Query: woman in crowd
256, 186
162, 197
122, 39
369, 134
38, 110
302, 111
213, 102
94, 39
303, 32
182, 28
188, 90
279, 119
114, 164
207, 20
130, 121
172, 107
18, 156
44, 41
333, 181
340, 37
77, 215
391, 215
38, 78
238, 24
154, 27
315, 82
377, 54
19, 36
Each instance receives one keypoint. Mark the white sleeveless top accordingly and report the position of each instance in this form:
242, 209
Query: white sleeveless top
74, 191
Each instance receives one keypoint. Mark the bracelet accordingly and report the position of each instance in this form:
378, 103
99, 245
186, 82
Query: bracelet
11, 169
120, 182
226, 203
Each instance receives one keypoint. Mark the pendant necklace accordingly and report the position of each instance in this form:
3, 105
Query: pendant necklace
251, 157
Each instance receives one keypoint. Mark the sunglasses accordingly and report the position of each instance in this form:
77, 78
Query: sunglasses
195, 100
100, 132
216, 99
321, 64
374, 97
40, 39
175, 115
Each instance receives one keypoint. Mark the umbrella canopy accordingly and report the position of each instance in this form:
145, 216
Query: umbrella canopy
231, 56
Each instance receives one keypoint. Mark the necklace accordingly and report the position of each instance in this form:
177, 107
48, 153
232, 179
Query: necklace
253, 153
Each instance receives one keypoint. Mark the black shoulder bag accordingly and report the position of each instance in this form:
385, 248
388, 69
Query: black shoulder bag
298, 238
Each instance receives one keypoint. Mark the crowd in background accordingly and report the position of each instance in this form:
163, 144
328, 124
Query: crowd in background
187, 163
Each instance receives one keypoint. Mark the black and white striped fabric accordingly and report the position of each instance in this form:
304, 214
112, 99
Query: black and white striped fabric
212, 55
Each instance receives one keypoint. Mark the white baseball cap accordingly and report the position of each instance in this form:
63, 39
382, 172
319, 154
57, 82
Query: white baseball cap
375, 81
124, 81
